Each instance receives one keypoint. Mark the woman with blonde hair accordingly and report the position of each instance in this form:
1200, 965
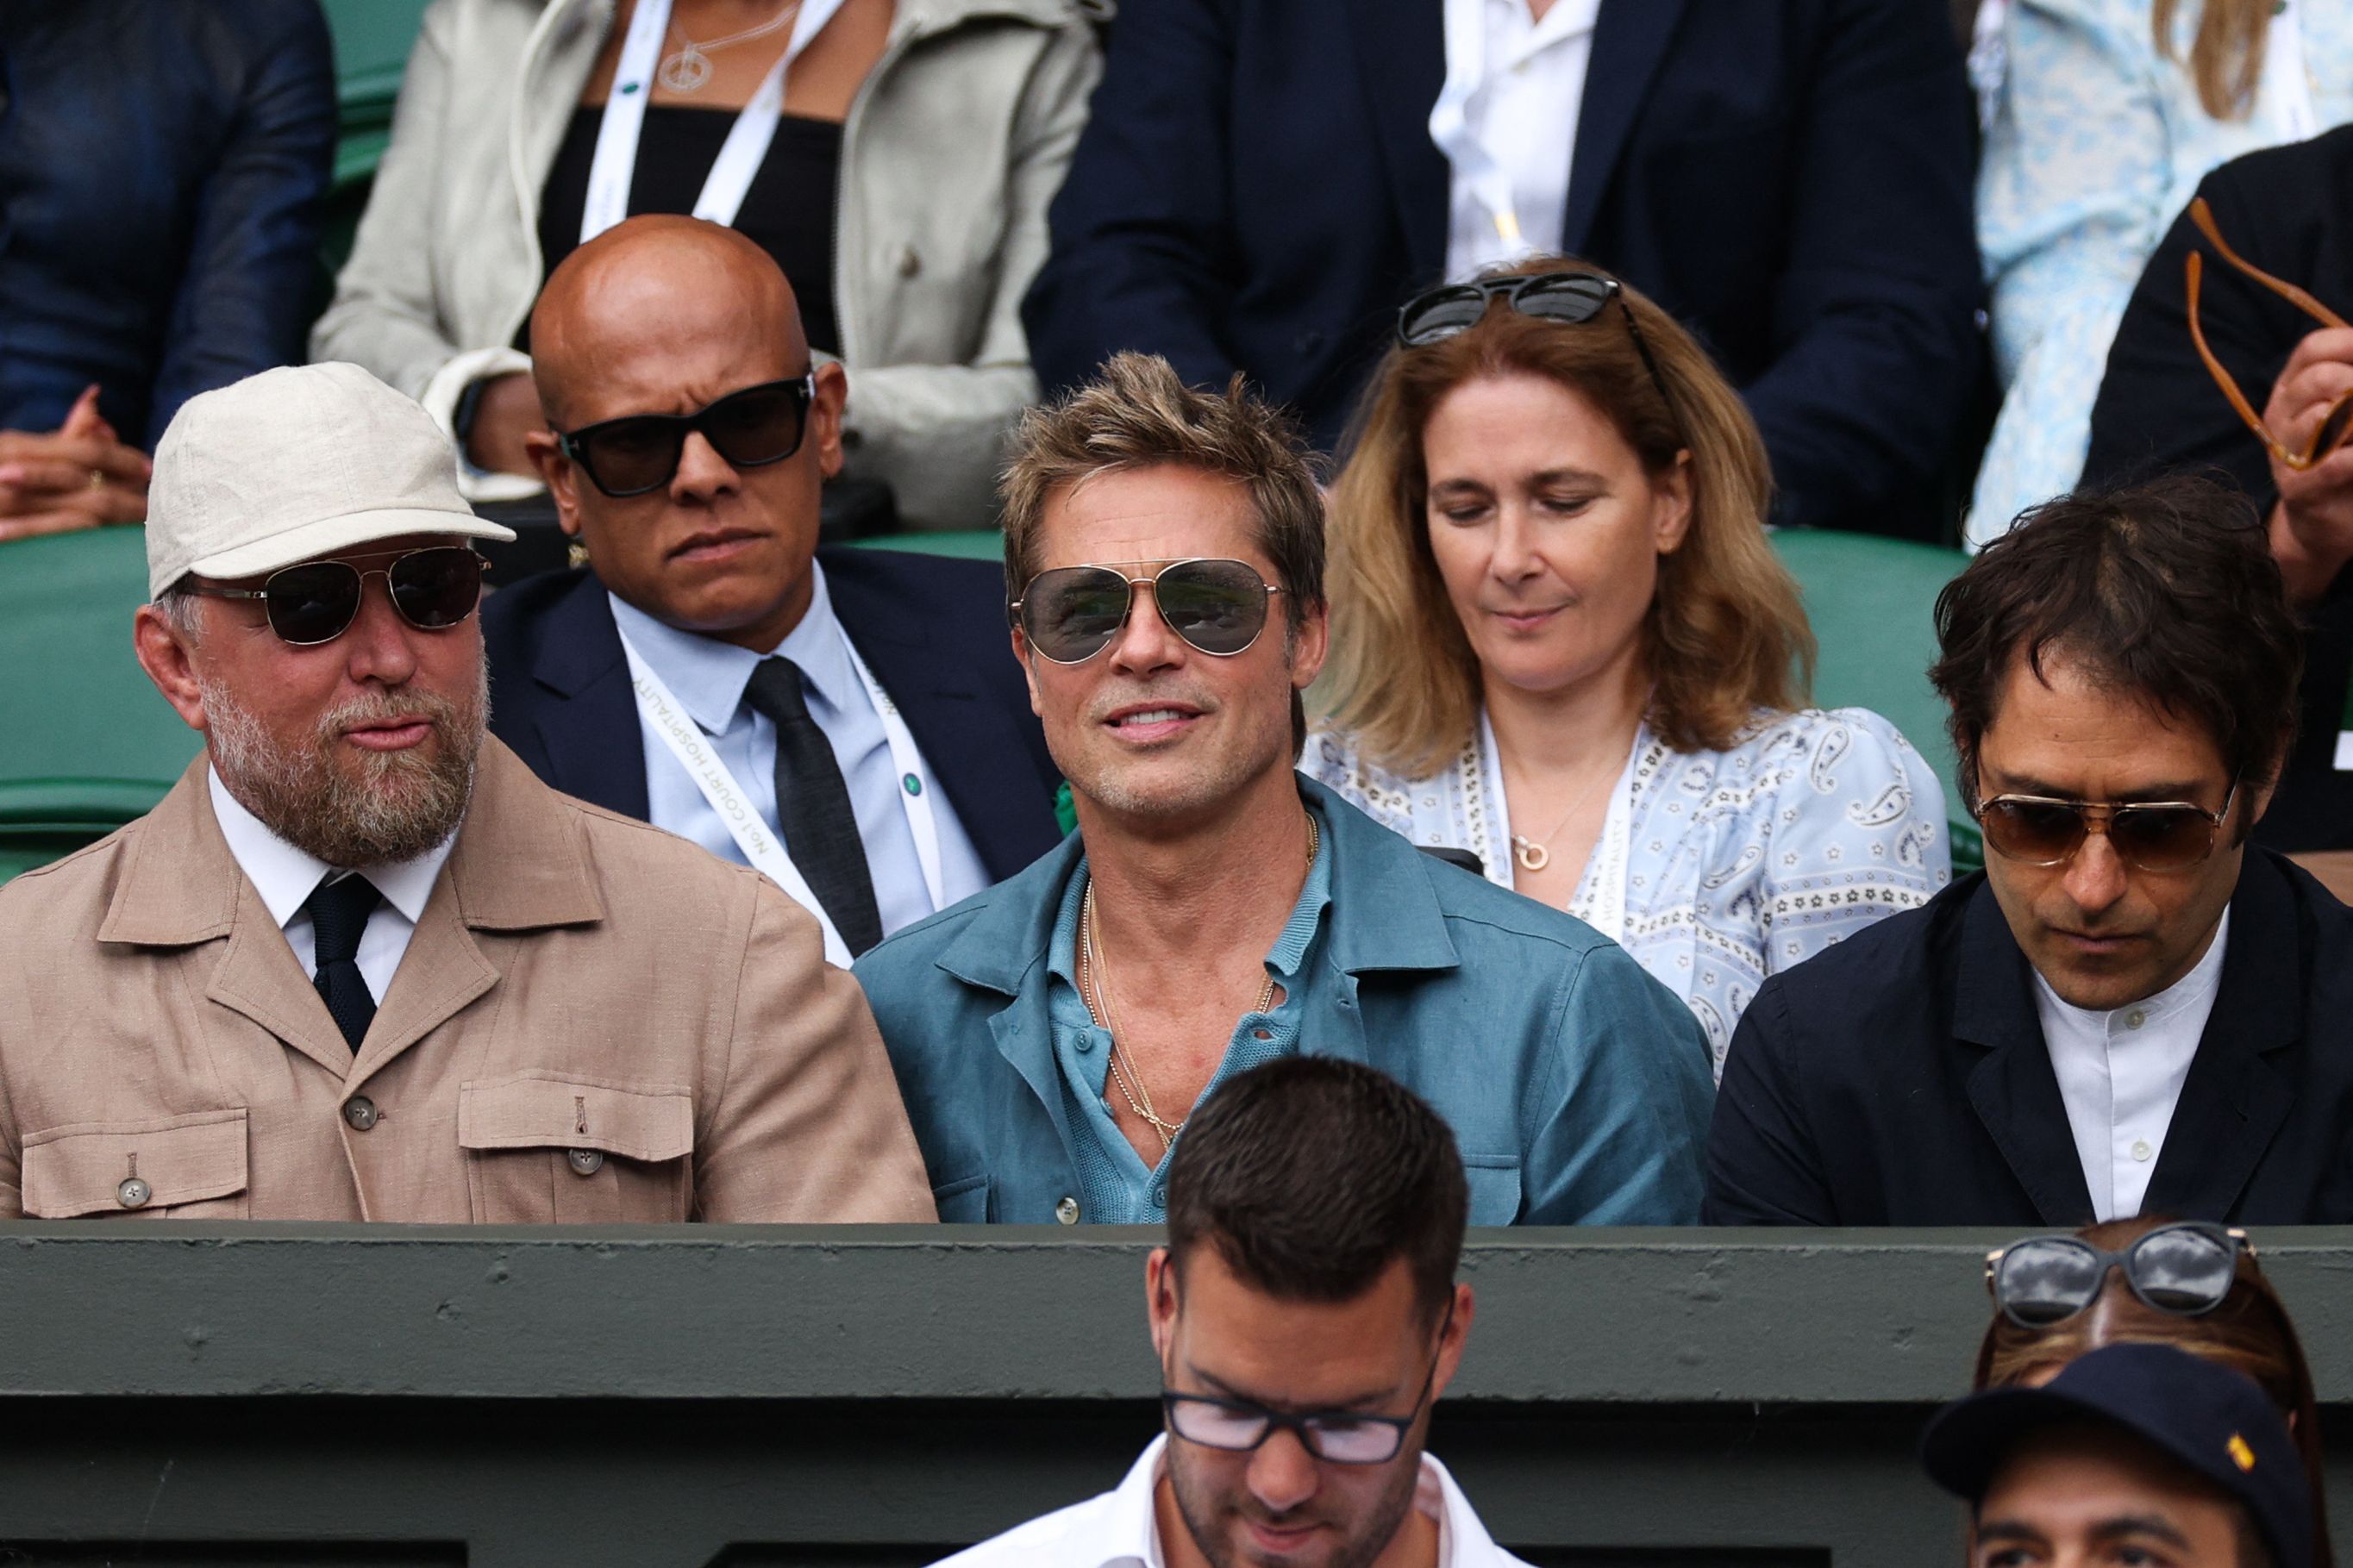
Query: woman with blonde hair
1561, 641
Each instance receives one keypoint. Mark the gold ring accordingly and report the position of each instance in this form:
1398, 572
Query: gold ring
98, 478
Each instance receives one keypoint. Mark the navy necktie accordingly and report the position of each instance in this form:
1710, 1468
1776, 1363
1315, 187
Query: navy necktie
339, 915
813, 806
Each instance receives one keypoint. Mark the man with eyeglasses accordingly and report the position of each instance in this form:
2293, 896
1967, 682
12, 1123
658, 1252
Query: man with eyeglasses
359, 964
2132, 1009
1305, 1316
841, 719
1216, 909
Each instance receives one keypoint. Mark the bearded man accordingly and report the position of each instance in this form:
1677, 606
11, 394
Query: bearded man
360, 963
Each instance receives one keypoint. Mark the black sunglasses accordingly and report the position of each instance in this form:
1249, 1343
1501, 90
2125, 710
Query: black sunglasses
640, 452
317, 601
2187, 1270
1571, 299
1069, 614
2149, 836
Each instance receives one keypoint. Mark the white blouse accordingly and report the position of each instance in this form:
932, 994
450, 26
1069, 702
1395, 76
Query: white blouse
1714, 869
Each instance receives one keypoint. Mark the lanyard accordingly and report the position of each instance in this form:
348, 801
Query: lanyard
615, 164
703, 764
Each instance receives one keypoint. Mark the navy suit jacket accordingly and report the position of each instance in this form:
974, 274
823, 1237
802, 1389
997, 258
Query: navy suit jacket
1257, 191
1901, 1078
932, 630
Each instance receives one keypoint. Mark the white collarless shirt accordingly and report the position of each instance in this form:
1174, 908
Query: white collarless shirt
2120, 1074
1506, 120
709, 677
1120, 1529
286, 876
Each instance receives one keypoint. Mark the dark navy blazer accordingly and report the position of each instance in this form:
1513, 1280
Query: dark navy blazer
1901, 1077
932, 630
1257, 191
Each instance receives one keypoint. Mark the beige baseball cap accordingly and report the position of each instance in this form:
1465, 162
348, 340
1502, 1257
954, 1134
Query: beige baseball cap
294, 463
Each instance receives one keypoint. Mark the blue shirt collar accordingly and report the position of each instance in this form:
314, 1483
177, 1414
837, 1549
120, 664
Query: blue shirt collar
708, 676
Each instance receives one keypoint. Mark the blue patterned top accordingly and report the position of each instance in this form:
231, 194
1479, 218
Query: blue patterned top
2096, 143
1714, 869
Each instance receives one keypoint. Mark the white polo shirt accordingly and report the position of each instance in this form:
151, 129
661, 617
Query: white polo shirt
1119, 1529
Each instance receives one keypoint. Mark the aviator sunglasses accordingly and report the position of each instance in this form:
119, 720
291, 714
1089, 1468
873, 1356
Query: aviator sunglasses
2149, 836
317, 601
639, 452
1069, 614
2187, 1270
1571, 299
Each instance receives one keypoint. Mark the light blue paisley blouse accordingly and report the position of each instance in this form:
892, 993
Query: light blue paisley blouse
1714, 869
2095, 144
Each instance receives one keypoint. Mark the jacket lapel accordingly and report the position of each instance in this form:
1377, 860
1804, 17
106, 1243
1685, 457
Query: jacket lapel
2013, 1089
183, 887
1401, 52
518, 865
2234, 1099
589, 732
1629, 40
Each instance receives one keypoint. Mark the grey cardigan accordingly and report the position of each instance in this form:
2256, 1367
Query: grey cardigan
953, 147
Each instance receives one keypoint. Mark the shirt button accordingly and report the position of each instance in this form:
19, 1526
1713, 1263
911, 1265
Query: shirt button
1159, 1196
2140, 1149
2135, 1018
133, 1194
586, 1162
1086, 1042
1067, 1211
360, 1111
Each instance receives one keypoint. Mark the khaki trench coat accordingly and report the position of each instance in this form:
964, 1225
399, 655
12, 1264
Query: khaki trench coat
595, 1021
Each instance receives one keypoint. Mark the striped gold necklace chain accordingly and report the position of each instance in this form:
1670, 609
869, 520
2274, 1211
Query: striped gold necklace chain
1094, 990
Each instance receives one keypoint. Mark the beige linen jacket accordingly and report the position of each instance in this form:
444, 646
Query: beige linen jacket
953, 148
594, 1021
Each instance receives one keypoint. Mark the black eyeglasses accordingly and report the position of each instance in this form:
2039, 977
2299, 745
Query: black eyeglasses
1571, 299
2187, 1270
2150, 836
1069, 614
640, 452
317, 601
1336, 1436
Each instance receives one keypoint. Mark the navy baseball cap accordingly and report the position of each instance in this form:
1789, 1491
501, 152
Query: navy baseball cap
2214, 1421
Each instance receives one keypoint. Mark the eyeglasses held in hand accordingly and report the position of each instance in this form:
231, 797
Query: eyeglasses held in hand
2186, 1270
317, 601
1069, 614
1571, 299
639, 452
2149, 836
2336, 422
1335, 1437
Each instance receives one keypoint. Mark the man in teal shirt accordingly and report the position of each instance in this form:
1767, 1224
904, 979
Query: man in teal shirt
1215, 910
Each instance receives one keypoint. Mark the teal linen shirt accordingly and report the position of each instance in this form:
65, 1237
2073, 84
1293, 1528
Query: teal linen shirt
1578, 1087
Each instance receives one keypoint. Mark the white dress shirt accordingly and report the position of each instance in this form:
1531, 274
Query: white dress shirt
1119, 1529
2120, 1073
1506, 120
708, 677
286, 876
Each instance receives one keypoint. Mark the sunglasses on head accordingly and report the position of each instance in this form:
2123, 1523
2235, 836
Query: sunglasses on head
2149, 836
1069, 614
316, 602
639, 452
1571, 299
2187, 1270
2335, 422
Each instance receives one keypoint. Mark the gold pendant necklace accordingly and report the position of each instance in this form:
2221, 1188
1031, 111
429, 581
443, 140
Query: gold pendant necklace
1535, 853
1094, 990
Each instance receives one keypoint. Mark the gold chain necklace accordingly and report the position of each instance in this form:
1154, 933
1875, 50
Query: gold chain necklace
1094, 990
1535, 853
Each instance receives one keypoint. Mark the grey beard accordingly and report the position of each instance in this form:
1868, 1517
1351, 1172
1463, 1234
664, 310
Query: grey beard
399, 805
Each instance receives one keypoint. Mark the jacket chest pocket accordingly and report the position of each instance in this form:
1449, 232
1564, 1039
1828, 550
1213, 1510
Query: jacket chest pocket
1494, 1181
180, 1167
546, 1149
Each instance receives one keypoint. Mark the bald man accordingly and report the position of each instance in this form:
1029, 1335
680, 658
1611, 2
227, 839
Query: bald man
845, 720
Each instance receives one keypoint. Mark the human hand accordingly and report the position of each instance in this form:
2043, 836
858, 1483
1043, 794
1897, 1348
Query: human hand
507, 411
80, 476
